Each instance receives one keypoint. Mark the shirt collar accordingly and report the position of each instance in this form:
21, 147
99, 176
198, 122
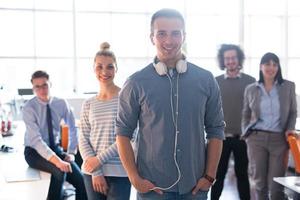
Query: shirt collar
43, 102
261, 85
239, 75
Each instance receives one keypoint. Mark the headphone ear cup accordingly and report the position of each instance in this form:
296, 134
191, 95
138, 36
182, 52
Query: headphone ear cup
181, 66
161, 68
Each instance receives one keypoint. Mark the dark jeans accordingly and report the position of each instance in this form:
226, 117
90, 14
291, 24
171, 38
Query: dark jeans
78, 159
58, 177
118, 188
239, 149
201, 195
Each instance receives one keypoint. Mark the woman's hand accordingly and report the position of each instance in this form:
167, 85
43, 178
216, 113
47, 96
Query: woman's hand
290, 132
91, 164
99, 184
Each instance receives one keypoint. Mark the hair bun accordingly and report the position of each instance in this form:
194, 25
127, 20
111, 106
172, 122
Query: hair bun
104, 46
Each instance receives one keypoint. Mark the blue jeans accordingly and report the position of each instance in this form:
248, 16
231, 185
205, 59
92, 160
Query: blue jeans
55, 192
118, 188
201, 195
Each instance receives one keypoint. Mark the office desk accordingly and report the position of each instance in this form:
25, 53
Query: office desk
290, 182
14, 162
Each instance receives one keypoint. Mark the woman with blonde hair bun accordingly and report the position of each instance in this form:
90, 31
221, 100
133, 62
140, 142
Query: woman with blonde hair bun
104, 175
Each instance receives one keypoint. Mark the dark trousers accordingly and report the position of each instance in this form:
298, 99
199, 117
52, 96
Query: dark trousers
58, 177
118, 188
239, 149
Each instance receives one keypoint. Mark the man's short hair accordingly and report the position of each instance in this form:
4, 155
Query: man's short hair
39, 74
227, 47
169, 13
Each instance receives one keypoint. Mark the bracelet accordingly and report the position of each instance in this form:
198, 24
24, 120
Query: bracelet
210, 179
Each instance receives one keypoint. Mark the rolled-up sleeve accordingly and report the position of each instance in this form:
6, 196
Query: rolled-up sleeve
128, 110
214, 118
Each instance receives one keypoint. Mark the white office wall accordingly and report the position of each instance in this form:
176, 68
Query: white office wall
62, 37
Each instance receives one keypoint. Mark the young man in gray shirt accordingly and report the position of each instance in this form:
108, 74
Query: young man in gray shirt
174, 103
232, 85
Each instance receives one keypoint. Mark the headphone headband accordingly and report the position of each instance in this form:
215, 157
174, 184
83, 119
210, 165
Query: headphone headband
162, 69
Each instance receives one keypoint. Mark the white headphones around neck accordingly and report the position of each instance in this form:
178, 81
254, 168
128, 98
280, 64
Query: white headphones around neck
162, 69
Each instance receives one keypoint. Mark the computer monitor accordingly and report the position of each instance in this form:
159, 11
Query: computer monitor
25, 91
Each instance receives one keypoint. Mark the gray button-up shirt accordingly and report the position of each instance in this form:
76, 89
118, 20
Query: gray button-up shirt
146, 99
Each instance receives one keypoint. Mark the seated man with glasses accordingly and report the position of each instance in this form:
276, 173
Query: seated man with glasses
42, 116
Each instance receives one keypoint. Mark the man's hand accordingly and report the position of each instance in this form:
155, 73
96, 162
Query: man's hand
64, 166
91, 164
69, 158
60, 164
143, 185
203, 184
99, 184
127, 158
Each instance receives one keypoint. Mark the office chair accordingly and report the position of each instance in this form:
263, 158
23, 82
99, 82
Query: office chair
294, 143
64, 137
65, 142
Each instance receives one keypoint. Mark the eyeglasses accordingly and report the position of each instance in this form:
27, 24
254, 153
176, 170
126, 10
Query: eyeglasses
230, 58
39, 87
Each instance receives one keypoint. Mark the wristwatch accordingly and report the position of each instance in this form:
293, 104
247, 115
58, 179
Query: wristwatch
210, 179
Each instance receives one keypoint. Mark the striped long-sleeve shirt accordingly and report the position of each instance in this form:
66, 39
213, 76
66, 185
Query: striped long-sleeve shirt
97, 136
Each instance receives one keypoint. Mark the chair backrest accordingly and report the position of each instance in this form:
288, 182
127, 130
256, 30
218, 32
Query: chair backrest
64, 137
294, 143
